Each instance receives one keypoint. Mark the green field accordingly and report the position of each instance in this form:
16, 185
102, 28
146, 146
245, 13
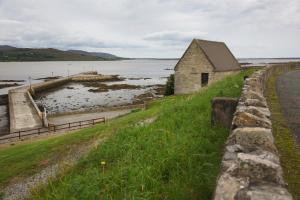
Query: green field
175, 157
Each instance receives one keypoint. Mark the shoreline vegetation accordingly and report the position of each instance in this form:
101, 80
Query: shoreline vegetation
171, 157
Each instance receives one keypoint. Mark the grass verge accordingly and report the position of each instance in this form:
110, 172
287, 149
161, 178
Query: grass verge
175, 157
22, 160
284, 140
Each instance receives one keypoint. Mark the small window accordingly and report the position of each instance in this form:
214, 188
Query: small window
204, 79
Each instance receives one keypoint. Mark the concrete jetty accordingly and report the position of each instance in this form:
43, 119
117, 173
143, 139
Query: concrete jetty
24, 114
22, 111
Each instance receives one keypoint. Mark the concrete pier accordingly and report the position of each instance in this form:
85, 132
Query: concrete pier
23, 111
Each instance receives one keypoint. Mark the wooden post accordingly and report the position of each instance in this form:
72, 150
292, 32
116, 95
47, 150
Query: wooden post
19, 134
69, 125
38, 131
93, 122
54, 128
80, 124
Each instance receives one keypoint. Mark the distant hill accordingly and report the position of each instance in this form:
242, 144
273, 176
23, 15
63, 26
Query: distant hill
97, 54
9, 53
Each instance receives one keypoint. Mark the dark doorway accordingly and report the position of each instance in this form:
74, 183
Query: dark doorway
204, 79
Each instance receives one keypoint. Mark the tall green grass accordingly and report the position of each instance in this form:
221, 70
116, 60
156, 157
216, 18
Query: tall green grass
25, 159
176, 157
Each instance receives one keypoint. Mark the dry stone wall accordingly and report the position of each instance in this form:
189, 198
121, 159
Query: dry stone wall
250, 166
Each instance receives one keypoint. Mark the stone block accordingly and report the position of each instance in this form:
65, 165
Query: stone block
223, 109
254, 138
228, 186
243, 119
257, 169
249, 94
263, 192
257, 111
255, 102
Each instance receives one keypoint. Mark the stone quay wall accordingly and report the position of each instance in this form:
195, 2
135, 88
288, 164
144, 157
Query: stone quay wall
250, 167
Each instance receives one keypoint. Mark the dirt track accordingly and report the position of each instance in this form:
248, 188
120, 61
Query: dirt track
288, 90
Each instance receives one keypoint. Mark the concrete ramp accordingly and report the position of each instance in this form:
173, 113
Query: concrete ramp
22, 110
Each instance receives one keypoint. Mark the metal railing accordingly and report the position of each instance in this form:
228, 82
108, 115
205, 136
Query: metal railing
53, 128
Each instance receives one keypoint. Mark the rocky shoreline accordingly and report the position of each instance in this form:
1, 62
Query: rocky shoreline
6, 85
86, 95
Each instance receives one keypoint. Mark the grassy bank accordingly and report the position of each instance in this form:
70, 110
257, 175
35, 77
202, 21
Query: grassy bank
284, 140
175, 157
24, 159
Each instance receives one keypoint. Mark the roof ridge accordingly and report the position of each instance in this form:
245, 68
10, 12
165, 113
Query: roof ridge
205, 54
209, 40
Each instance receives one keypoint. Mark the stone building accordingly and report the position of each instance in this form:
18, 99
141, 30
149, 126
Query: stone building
203, 63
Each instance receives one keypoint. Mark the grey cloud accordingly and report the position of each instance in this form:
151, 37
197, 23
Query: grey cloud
153, 28
173, 36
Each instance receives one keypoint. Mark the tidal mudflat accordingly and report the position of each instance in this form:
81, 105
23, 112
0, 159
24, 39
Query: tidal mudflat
78, 97
140, 79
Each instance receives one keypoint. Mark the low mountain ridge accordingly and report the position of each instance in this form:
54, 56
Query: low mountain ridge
9, 53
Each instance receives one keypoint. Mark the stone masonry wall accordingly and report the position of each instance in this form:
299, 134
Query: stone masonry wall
250, 167
188, 71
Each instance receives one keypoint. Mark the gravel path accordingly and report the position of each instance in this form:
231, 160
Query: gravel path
87, 116
22, 189
288, 90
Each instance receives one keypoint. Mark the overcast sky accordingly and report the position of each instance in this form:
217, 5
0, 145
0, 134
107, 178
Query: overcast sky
156, 28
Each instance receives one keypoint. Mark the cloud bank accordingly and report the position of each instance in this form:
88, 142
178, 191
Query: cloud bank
153, 28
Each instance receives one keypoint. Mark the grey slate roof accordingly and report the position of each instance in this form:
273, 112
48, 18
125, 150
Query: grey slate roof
218, 55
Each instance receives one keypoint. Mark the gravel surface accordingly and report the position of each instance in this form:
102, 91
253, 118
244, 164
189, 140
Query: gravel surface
86, 116
288, 90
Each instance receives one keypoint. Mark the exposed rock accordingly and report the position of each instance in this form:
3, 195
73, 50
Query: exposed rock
100, 87
6, 85
17, 81
3, 99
